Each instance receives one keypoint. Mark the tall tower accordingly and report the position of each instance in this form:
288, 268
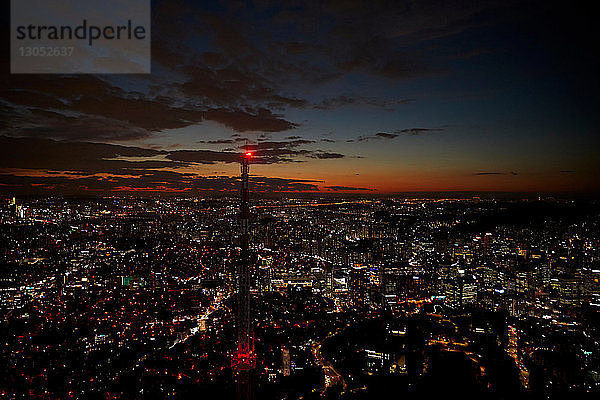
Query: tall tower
244, 360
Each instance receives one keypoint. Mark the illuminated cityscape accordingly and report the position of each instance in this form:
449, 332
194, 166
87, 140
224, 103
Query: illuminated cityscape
299, 200
350, 297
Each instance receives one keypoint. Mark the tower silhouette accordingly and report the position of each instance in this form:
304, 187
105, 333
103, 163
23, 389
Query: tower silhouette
244, 360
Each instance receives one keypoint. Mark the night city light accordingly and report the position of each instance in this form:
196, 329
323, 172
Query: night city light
307, 200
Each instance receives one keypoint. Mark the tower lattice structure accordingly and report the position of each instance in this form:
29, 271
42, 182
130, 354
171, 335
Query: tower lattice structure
244, 360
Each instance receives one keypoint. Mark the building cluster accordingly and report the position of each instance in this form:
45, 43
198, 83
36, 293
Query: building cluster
112, 295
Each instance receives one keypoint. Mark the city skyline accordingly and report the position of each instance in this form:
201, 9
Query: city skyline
129, 297
336, 97
299, 200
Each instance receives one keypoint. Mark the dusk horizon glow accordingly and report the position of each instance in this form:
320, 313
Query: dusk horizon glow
329, 97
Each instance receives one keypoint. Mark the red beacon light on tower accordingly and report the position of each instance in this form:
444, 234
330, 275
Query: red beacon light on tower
248, 154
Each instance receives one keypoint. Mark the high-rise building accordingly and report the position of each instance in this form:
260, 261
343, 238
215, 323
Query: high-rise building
359, 286
459, 287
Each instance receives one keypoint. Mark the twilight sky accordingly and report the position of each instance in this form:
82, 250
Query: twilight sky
332, 96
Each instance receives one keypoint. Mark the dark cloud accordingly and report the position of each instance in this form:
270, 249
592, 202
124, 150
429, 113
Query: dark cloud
204, 156
330, 103
84, 157
154, 182
232, 140
567, 171
392, 135
278, 145
215, 87
489, 173
346, 188
233, 86
107, 112
44, 166
290, 151
386, 135
242, 78
252, 59
325, 155
73, 126
51, 105
217, 141
93, 158
249, 121
418, 131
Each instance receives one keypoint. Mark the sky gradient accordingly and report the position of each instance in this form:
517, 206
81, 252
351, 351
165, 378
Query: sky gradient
336, 97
